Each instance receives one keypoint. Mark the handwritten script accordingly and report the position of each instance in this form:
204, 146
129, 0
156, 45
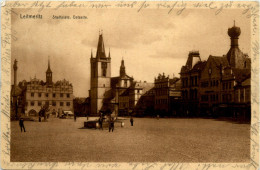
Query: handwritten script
176, 8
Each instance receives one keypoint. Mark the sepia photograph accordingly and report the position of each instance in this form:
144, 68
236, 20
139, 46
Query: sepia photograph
126, 82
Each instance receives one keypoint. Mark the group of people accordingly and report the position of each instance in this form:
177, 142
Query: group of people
111, 122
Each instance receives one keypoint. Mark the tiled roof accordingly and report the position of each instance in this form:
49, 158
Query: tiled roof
241, 74
220, 61
199, 66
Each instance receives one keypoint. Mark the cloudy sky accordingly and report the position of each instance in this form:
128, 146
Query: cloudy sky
150, 41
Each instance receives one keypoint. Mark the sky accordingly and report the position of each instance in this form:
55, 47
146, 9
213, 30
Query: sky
151, 41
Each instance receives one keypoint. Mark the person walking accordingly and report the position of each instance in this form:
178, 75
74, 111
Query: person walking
111, 124
22, 125
75, 117
100, 121
132, 121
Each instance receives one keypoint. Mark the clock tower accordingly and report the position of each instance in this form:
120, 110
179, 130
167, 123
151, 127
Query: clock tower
100, 78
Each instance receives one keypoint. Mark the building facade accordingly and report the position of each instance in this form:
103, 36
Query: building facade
37, 93
167, 93
212, 88
190, 79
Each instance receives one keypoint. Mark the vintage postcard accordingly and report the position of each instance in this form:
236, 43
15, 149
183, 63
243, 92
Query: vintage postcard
130, 85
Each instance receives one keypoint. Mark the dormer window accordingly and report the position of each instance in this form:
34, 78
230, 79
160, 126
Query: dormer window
210, 71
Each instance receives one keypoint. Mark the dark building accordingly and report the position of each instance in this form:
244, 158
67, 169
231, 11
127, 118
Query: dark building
167, 93
216, 87
190, 80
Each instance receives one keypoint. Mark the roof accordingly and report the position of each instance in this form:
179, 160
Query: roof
241, 74
199, 66
220, 61
101, 48
16, 91
246, 82
126, 92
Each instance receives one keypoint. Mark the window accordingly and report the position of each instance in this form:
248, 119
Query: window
68, 103
68, 95
53, 95
47, 103
217, 83
104, 85
32, 103
46, 94
61, 103
39, 95
61, 95
104, 69
53, 103
32, 94
39, 103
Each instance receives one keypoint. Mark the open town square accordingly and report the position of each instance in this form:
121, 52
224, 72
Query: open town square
148, 140
147, 87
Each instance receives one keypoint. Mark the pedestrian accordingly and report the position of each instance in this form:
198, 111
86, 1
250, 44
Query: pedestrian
22, 125
158, 117
111, 124
100, 121
75, 117
132, 121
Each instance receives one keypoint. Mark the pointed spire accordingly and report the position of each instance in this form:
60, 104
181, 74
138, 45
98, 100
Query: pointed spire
109, 54
122, 68
234, 23
49, 67
91, 53
101, 48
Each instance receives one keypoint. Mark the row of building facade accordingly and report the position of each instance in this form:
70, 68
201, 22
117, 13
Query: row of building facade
219, 86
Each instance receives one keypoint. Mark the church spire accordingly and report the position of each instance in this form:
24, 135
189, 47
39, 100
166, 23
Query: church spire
101, 47
122, 68
49, 67
109, 54
49, 74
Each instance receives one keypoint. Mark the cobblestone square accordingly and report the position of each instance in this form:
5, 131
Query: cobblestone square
149, 140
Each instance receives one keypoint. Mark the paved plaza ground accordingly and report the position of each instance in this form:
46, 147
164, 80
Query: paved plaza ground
149, 140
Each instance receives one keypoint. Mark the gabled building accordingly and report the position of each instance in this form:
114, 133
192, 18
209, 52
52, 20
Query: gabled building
167, 94
36, 93
220, 79
212, 87
190, 76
